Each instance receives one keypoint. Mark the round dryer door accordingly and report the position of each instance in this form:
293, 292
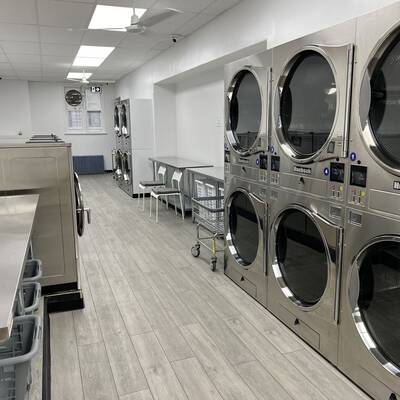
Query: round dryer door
384, 110
124, 121
243, 236
126, 167
118, 164
245, 111
308, 103
301, 262
116, 120
377, 309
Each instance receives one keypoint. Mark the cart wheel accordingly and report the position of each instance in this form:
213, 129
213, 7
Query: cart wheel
213, 265
196, 250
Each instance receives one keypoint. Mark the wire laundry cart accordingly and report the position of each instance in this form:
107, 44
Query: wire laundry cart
208, 213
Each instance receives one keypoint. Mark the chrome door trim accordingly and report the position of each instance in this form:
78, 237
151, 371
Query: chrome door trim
228, 97
261, 225
363, 96
334, 268
354, 284
288, 150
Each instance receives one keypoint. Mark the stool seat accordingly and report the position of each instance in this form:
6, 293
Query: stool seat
165, 190
151, 183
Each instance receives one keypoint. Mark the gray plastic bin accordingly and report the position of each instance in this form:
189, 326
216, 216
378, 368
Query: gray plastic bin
15, 358
32, 293
33, 270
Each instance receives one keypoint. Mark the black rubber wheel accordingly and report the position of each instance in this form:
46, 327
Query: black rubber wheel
196, 250
213, 265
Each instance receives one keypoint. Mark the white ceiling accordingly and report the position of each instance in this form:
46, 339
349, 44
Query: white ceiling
35, 43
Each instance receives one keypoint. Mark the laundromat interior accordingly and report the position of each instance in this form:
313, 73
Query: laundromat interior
199, 199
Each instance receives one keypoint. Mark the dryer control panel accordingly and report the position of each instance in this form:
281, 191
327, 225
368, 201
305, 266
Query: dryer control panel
275, 169
336, 181
263, 165
358, 185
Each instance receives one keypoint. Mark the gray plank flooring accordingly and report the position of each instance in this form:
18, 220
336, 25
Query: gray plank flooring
159, 325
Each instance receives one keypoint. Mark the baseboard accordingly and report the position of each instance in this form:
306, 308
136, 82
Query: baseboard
58, 289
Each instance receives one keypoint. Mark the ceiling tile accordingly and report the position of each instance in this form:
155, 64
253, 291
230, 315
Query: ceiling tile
20, 47
57, 60
220, 6
139, 41
64, 14
18, 12
102, 38
197, 22
171, 25
27, 67
60, 35
128, 3
19, 33
162, 45
8, 75
79, 1
24, 58
3, 57
194, 6
52, 49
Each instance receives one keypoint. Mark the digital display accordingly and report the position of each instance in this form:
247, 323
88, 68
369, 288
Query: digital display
263, 161
358, 176
227, 156
337, 172
275, 163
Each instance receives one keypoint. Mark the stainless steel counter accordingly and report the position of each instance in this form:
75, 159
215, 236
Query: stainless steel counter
17, 215
179, 163
215, 173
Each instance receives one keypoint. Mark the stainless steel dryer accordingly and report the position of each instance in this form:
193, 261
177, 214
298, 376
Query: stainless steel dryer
310, 110
245, 232
370, 317
246, 116
126, 181
304, 268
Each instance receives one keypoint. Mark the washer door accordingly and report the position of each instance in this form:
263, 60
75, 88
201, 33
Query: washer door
118, 164
126, 167
116, 121
124, 121
244, 228
306, 125
244, 111
380, 104
307, 259
375, 297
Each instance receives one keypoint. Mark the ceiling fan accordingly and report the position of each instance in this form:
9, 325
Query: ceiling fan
140, 25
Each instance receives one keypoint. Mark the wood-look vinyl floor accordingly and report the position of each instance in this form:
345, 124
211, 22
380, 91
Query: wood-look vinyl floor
159, 325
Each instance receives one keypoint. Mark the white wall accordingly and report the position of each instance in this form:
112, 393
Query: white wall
236, 33
199, 118
41, 111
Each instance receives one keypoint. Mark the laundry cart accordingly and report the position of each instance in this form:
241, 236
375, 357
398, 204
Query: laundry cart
208, 214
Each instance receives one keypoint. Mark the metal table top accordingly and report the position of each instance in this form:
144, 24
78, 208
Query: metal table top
216, 173
17, 215
179, 163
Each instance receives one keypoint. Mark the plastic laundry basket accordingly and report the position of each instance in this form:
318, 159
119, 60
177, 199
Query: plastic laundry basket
15, 358
33, 270
32, 293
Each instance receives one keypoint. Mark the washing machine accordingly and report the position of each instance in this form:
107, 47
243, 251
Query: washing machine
312, 79
247, 83
246, 219
304, 267
370, 317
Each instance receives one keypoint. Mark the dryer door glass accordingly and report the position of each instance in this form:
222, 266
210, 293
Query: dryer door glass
379, 298
116, 119
302, 257
245, 110
243, 227
308, 104
384, 112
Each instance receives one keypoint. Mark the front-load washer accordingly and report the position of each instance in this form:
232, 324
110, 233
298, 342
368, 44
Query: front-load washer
247, 92
312, 79
245, 234
369, 351
127, 178
375, 124
304, 267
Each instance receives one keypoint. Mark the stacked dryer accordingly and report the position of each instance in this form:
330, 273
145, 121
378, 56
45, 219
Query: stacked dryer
126, 183
117, 152
370, 309
308, 150
246, 210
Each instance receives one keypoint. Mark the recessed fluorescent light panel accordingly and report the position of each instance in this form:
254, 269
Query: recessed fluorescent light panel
110, 17
79, 75
91, 56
